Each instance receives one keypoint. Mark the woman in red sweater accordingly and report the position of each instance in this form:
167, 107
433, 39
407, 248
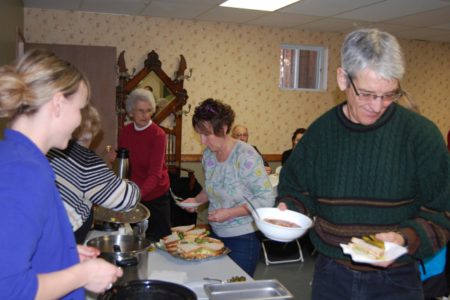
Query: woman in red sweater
146, 143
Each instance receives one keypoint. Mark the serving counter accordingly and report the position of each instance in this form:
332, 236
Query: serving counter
163, 266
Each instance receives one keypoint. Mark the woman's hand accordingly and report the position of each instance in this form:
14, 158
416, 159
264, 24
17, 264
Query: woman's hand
86, 252
100, 274
219, 215
111, 155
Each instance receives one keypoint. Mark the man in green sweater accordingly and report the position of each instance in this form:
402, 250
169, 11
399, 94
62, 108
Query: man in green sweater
370, 167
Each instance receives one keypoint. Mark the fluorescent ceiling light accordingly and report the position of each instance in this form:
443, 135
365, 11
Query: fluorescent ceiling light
266, 5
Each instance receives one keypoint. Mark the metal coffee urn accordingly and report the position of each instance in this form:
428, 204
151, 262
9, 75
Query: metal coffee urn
122, 165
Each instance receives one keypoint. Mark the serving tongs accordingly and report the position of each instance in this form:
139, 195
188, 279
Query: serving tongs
230, 280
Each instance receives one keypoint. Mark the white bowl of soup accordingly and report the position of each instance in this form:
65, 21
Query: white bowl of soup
281, 225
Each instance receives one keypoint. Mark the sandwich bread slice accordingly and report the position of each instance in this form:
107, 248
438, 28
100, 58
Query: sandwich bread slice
195, 232
362, 247
182, 228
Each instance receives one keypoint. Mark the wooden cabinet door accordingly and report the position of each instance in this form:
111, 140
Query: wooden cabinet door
98, 63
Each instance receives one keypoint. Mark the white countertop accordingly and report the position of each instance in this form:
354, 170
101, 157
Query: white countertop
163, 266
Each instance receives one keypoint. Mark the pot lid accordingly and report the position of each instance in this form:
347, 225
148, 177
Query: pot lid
135, 215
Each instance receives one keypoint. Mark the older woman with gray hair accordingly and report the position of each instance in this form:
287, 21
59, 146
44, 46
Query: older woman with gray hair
370, 166
146, 143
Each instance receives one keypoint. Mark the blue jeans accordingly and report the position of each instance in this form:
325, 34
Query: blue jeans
245, 250
334, 281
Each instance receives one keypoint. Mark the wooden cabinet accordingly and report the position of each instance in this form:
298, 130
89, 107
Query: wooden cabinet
99, 65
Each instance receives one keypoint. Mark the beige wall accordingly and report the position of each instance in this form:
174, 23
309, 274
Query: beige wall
239, 65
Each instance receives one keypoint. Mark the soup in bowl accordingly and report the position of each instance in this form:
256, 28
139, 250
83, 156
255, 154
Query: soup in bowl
281, 225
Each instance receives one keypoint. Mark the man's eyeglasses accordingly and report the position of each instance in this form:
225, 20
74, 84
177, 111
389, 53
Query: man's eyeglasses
367, 97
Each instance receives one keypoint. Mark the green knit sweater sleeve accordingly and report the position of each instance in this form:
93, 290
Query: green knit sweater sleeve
294, 189
432, 221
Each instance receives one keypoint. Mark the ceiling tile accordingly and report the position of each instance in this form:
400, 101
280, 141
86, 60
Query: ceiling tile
429, 18
184, 9
333, 25
391, 9
325, 7
443, 26
391, 15
124, 7
391, 28
225, 14
53, 4
279, 19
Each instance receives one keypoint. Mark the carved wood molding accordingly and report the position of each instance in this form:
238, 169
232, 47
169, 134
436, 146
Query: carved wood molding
128, 83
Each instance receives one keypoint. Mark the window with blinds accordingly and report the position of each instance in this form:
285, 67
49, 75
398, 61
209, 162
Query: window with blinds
303, 67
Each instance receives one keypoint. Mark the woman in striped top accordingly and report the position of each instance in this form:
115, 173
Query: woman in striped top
83, 178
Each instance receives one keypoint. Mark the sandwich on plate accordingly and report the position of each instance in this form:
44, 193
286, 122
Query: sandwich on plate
192, 242
368, 249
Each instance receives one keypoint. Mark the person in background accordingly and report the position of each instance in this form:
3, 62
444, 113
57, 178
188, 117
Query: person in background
146, 143
234, 172
448, 140
296, 136
83, 178
370, 166
42, 96
240, 132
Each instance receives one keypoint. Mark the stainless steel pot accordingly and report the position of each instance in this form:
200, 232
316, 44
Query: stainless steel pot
148, 290
130, 252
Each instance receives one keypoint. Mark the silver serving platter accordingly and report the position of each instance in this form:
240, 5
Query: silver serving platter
252, 290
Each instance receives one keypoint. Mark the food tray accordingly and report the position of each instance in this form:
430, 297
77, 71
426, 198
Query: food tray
160, 245
253, 290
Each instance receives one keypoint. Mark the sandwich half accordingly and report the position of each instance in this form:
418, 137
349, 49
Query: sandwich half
362, 247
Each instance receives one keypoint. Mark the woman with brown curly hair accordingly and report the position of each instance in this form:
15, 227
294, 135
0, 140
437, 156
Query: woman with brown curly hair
234, 171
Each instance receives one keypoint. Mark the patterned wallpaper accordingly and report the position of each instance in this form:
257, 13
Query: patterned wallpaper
239, 65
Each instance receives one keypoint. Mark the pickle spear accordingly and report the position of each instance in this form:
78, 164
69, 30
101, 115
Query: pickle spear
371, 239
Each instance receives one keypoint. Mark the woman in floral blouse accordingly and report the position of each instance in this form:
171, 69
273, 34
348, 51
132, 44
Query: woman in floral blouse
234, 171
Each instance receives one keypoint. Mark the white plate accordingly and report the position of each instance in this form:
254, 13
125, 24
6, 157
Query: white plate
392, 252
188, 204
198, 288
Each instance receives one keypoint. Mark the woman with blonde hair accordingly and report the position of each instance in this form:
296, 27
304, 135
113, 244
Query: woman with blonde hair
42, 96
